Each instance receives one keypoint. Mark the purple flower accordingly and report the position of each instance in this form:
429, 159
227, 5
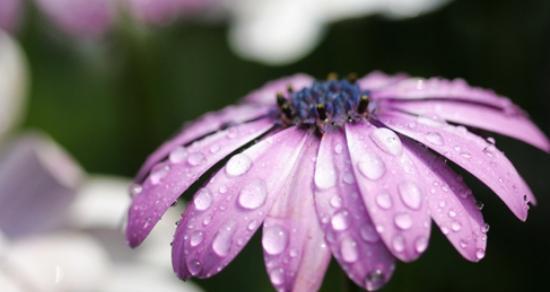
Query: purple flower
353, 169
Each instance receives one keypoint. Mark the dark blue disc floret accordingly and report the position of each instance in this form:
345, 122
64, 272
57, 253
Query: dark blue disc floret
330, 102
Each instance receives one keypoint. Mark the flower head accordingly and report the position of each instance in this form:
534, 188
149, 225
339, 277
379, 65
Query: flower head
348, 168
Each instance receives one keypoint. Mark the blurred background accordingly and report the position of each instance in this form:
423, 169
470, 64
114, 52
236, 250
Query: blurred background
111, 99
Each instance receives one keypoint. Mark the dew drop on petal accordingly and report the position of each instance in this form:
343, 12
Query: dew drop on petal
336, 201
410, 195
274, 240
398, 243
338, 148
384, 200
403, 221
223, 239
202, 200
455, 226
196, 238
371, 166
348, 249
421, 244
277, 276
387, 140
434, 138
178, 155
480, 253
253, 195
485, 228
238, 165
195, 267
325, 178
158, 173
195, 159
369, 234
452, 214
340, 221
135, 189
374, 280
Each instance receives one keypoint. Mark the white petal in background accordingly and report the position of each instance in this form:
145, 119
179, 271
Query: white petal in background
279, 32
13, 82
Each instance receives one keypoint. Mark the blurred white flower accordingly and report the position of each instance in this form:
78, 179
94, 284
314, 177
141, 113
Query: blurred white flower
13, 82
282, 31
60, 230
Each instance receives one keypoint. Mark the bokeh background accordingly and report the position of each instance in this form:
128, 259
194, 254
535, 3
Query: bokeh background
110, 103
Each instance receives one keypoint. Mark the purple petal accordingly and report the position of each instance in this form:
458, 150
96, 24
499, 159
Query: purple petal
295, 253
391, 187
451, 203
471, 152
10, 12
266, 94
516, 125
38, 181
349, 230
229, 209
208, 123
84, 18
437, 88
377, 80
169, 179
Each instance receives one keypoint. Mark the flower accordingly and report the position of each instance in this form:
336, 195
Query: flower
9, 14
349, 168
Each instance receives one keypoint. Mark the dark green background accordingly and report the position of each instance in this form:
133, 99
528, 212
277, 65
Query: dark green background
112, 103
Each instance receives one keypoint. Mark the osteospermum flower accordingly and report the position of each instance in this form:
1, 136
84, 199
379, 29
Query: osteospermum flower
343, 168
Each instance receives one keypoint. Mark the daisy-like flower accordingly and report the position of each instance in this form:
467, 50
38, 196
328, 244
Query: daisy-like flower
353, 169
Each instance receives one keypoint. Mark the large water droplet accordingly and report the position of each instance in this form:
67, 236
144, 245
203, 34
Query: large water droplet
238, 165
325, 177
348, 249
195, 267
336, 201
195, 159
202, 200
277, 276
410, 195
178, 154
222, 242
384, 200
196, 238
434, 138
421, 244
374, 280
403, 221
369, 234
338, 148
158, 173
371, 166
398, 243
480, 253
253, 195
274, 239
340, 221
387, 140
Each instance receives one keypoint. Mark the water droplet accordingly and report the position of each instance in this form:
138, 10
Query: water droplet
463, 244
195, 159
277, 276
253, 195
445, 230
178, 154
222, 241
387, 140
325, 177
410, 195
340, 221
457, 148
384, 200
348, 249
195, 267
434, 138
135, 189
421, 244
403, 221
338, 148
274, 240
369, 234
348, 178
371, 166
466, 155
455, 226
336, 201
214, 148
293, 253
158, 173
375, 279
196, 238
202, 200
485, 228
452, 214
480, 205
480, 253
398, 243
238, 165
491, 140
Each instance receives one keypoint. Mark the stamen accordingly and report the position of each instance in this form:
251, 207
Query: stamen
352, 77
332, 76
321, 112
363, 104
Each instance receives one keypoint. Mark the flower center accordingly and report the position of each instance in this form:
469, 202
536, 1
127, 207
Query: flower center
326, 102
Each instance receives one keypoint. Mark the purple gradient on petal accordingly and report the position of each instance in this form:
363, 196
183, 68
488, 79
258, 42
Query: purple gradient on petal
297, 259
378, 80
240, 196
391, 187
358, 247
169, 179
10, 14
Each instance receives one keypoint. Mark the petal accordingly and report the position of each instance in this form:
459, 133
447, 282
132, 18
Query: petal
266, 95
437, 88
391, 187
471, 152
169, 179
377, 80
84, 18
451, 203
229, 209
295, 253
516, 125
349, 230
202, 127
10, 13
13, 83
38, 182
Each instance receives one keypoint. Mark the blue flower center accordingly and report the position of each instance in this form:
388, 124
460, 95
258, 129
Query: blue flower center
328, 102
